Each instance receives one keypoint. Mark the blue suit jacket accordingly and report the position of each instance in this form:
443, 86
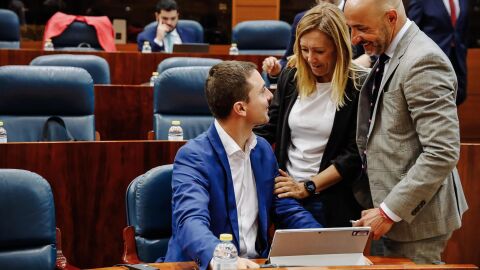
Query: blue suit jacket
186, 34
432, 17
203, 200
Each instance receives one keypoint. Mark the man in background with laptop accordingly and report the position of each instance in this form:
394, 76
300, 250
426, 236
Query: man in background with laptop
167, 33
223, 180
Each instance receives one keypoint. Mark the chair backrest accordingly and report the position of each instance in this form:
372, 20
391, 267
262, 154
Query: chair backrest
96, 66
27, 225
194, 27
265, 37
78, 36
186, 62
179, 95
149, 211
9, 30
29, 95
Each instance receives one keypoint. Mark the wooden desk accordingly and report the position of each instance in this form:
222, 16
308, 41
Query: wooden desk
380, 263
123, 112
89, 181
125, 67
468, 112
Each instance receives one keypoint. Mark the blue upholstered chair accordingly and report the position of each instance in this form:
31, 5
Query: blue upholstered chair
95, 65
78, 36
261, 37
27, 226
186, 62
9, 30
179, 95
29, 95
195, 27
149, 216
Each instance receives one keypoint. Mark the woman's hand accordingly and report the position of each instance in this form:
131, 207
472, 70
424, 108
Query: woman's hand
286, 186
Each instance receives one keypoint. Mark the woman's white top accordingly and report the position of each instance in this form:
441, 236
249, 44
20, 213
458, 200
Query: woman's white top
310, 122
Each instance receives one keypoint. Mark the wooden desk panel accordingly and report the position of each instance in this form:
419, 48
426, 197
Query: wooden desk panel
380, 263
123, 112
128, 67
463, 246
89, 181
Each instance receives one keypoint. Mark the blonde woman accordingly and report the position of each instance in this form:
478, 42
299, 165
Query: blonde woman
313, 119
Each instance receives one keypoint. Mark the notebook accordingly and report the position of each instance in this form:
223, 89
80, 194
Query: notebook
190, 48
319, 247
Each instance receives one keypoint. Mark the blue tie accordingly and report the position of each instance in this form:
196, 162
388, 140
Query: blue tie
168, 43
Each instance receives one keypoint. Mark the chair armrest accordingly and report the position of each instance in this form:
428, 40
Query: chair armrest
151, 135
62, 263
129, 246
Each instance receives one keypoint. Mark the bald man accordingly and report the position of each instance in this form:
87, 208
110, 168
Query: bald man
407, 134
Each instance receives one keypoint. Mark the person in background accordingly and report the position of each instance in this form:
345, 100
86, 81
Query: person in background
273, 66
167, 33
223, 180
407, 134
313, 117
446, 25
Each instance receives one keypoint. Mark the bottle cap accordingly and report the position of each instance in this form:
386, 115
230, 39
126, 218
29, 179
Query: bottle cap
176, 122
155, 73
146, 42
48, 40
234, 44
226, 237
1, 123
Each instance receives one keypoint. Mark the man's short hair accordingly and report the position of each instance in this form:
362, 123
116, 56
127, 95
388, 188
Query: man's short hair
167, 5
226, 84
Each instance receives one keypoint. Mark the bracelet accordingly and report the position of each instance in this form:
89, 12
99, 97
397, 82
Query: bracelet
385, 216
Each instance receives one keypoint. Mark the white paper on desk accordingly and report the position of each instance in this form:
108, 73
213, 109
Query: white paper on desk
319, 247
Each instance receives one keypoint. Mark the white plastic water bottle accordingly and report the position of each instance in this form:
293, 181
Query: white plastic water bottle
233, 49
146, 48
48, 46
225, 256
153, 78
175, 132
3, 133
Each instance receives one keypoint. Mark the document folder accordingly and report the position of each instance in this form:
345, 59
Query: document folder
319, 247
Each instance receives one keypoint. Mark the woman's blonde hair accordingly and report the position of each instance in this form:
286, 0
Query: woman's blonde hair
330, 20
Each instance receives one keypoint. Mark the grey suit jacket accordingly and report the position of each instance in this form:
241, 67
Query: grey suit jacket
413, 143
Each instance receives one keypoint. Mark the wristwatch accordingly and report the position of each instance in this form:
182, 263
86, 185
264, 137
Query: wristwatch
310, 187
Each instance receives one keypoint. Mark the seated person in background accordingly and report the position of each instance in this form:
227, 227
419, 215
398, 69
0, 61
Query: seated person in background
223, 180
313, 119
166, 33
274, 66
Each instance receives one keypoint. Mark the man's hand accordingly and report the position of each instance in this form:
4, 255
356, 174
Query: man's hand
286, 186
243, 263
162, 29
373, 218
272, 66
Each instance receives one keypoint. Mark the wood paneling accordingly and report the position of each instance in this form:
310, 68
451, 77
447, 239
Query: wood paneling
248, 10
462, 247
131, 68
123, 112
468, 112
89, 181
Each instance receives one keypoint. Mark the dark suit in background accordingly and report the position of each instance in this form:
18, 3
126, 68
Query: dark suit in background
432, 17
187, 35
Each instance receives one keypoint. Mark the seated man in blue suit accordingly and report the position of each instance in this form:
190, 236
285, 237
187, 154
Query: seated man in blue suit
223, 180
162, 37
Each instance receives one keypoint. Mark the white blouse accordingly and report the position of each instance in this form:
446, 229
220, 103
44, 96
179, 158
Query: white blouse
310, 122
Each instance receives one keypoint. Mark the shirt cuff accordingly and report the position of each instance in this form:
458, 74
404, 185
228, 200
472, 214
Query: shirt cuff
389, 213
158, 42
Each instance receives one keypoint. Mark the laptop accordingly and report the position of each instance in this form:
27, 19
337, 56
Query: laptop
319, 247
191, 48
